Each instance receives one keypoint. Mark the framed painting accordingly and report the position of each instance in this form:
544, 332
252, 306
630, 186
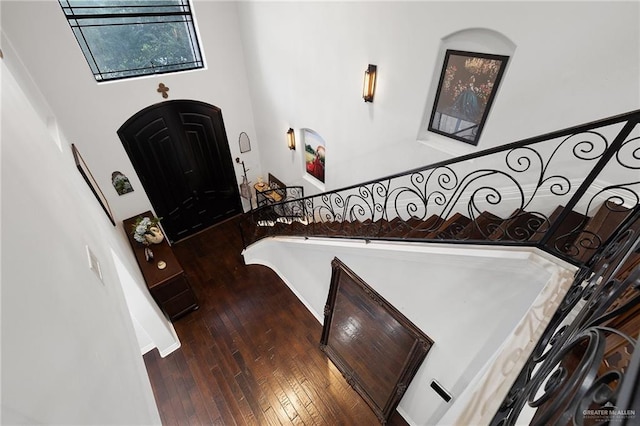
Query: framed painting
466, 89
314, 155
376, 348
89, 179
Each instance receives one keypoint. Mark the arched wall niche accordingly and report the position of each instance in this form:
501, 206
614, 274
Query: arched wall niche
481, 40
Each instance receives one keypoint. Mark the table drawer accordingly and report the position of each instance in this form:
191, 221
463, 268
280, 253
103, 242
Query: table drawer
170, 289
180, 304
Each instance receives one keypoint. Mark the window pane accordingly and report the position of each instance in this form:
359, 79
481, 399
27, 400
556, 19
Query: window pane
118, 48
134, 37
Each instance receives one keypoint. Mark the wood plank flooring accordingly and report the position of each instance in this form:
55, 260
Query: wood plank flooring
250, 354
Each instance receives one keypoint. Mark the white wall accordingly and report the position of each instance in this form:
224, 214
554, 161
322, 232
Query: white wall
574, 62
90, 113
56, 77
467, 300
69, 351
275, 65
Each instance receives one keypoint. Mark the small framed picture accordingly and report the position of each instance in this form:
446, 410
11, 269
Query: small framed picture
121, 183
467, 87
314, 155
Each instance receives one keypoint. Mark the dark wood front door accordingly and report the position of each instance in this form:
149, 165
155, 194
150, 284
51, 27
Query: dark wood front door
181, 154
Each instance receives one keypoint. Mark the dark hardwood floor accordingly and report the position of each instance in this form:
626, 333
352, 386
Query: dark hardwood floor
250, 354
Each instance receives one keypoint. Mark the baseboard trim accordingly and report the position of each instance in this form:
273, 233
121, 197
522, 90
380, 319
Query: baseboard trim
168, 350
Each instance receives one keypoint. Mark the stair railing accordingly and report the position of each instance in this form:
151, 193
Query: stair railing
585, 368
504, 195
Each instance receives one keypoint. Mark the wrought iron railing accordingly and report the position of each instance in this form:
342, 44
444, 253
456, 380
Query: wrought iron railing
584, 369
520, 183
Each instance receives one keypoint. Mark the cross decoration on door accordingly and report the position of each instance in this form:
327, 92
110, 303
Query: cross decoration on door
163, 89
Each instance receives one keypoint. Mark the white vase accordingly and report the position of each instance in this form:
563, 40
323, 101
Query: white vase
156, 236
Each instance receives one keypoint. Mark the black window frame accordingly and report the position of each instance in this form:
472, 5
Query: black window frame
84, 16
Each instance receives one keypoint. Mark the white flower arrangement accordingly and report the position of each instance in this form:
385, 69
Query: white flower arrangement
141, 228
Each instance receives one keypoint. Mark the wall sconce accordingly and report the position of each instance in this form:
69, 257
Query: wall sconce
369, 87
291, 139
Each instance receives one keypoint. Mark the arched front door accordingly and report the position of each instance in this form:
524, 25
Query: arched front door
181, 154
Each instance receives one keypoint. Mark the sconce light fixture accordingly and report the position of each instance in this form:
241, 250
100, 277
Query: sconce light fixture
291, 139
369, 87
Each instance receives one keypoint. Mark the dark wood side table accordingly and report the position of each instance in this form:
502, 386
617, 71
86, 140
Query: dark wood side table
169, 287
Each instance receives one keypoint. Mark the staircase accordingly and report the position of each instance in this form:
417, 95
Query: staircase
562, 192
577, 237
575, 194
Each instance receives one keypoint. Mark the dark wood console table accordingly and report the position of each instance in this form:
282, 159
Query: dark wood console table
169, 287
